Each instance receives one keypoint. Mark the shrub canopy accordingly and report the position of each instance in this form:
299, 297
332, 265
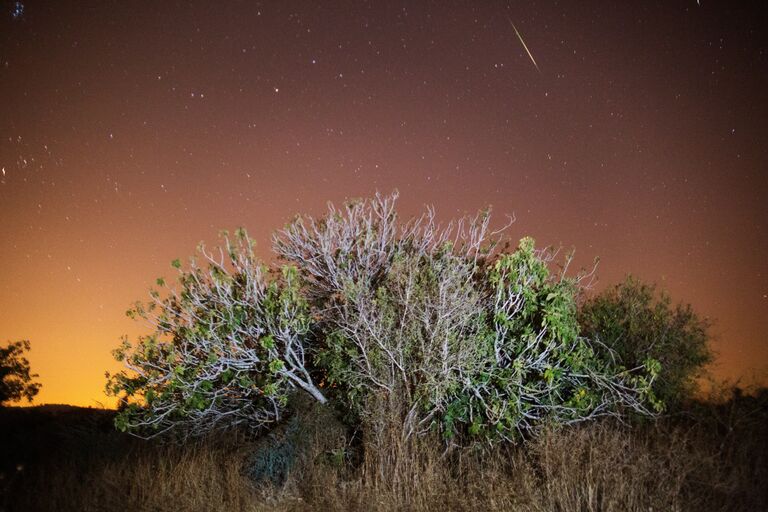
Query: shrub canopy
227, 347
638, 323
410, 326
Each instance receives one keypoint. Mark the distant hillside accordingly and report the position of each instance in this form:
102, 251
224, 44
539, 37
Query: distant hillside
55, 408
49, 412
48, 425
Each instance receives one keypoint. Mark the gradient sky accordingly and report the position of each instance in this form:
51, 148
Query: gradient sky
130, 131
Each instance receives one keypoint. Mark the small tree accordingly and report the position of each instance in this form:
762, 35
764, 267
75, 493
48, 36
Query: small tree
400, 320
638, 323
424, 324
228, 347
15, 377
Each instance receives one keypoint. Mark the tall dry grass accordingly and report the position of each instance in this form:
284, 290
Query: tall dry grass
712, 458
97, 472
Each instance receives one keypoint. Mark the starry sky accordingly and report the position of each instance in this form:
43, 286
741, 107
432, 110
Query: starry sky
130, 131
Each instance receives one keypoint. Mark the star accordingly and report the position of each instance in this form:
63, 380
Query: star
17, 11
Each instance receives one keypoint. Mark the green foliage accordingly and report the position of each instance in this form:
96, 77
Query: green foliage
540, 369
413, 333
484, 348
16, 379
413, 327
639, 324
224, 351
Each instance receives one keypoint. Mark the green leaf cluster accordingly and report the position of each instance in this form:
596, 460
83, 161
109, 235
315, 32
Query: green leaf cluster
640, 324
189, 371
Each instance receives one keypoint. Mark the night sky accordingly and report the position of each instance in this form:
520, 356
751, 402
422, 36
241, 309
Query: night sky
130, 131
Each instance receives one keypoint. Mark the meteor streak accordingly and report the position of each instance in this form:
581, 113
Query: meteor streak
524, 45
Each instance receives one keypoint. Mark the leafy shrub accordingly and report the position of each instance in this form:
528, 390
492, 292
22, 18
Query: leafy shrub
227, 349
540, 369
413, 327
398, 320
638, 323
425, 323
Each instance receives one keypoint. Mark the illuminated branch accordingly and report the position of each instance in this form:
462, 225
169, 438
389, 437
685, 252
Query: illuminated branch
227, 348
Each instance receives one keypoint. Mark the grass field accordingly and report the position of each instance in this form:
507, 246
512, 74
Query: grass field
712, 457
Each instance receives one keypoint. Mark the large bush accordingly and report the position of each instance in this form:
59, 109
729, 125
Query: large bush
413, 327
433, 328
638, 323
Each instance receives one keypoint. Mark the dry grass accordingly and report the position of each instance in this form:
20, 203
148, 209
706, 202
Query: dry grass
715, 460
96, 470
